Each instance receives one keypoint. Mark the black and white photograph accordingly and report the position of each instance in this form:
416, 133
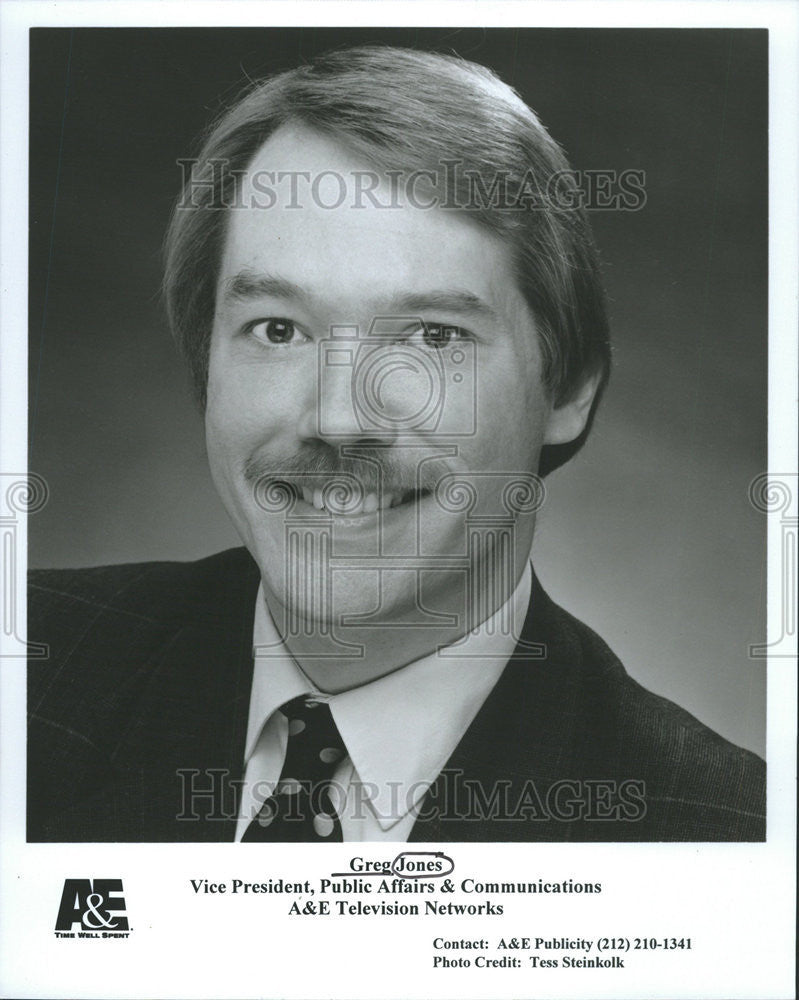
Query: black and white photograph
402, 270
406, 488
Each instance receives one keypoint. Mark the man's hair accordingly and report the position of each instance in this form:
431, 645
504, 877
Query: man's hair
405, 110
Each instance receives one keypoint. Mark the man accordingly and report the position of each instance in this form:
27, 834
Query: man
386, 289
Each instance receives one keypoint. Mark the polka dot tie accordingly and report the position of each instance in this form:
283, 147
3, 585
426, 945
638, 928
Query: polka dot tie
300, 809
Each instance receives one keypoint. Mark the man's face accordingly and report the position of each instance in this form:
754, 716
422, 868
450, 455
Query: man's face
395, 405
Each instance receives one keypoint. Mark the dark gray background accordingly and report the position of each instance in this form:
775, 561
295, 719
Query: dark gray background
648, 535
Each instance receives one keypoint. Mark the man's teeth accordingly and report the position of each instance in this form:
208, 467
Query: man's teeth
367, 505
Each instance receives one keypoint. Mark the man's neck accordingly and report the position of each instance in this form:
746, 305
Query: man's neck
340, 657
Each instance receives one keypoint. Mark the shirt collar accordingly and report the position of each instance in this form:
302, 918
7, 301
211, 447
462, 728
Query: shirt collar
400, 729
276, 676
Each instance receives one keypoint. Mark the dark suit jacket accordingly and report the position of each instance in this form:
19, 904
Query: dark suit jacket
146, 690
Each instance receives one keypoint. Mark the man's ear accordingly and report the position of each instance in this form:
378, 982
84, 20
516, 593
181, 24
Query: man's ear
567, 421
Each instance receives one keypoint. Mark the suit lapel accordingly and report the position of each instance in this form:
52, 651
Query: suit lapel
522, 740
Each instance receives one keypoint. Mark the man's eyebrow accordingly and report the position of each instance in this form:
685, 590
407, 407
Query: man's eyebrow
442, 300
247, 285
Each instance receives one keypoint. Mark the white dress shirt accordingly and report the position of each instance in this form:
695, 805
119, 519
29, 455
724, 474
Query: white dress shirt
399, 730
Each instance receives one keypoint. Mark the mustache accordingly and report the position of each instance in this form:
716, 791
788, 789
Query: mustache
376, 470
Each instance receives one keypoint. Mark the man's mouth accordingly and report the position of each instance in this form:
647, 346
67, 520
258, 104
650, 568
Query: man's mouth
342, 503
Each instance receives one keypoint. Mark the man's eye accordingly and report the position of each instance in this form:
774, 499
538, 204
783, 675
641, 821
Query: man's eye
438, 335
275, 331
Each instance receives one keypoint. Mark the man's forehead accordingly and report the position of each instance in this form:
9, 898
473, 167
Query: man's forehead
304, 231
295, 149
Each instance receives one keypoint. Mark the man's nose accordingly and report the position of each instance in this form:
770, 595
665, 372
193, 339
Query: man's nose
335, 414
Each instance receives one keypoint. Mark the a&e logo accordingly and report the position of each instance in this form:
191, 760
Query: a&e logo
96, 906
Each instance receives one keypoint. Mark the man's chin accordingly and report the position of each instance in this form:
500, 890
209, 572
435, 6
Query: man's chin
318, 599
324, 570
